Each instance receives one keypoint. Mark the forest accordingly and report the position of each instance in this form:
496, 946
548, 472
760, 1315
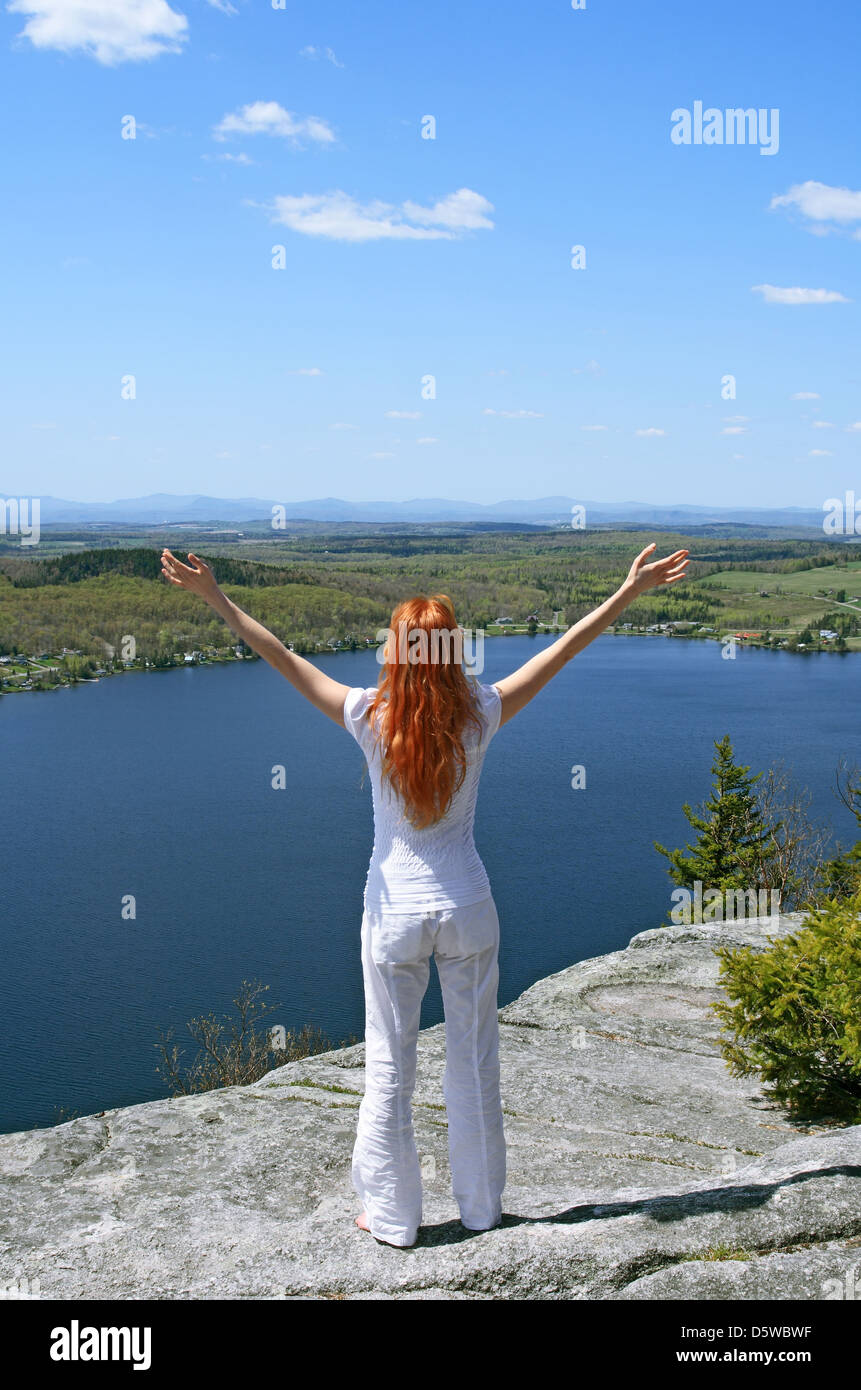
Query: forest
82, 606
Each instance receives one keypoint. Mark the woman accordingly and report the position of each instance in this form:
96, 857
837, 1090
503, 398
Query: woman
424, 731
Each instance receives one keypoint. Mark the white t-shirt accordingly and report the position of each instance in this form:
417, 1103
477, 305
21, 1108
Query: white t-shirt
413, 870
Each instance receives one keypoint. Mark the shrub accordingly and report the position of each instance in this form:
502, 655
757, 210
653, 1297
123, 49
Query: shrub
795, 1014
236, 1052
841, 876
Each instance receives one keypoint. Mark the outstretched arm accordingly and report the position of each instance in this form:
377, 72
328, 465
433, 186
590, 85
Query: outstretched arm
519, 688
327, 694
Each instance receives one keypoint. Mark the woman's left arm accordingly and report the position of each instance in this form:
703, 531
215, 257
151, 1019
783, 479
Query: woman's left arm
327, 694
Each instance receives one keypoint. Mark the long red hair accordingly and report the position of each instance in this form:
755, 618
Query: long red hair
425, 705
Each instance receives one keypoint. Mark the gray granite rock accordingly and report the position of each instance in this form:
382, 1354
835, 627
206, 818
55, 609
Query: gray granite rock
637, 1168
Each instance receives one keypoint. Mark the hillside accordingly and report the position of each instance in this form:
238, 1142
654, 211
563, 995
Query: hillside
334, 590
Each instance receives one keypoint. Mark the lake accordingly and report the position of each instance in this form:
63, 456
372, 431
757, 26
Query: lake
160, 786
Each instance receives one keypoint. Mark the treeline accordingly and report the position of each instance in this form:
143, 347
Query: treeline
315, 591
94, 614
139, 563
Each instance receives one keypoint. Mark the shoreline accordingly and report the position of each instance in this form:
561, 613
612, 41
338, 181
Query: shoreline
18, 689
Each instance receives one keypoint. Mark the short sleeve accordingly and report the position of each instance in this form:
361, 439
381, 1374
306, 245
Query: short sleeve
490, 703
356, 704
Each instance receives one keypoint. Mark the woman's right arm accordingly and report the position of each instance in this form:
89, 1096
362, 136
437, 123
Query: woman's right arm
519, 688
326, 694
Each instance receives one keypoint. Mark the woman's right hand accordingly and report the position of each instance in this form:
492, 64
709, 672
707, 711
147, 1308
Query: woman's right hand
643, 576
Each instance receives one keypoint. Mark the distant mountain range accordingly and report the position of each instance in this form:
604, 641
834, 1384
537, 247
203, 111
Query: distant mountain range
165, 508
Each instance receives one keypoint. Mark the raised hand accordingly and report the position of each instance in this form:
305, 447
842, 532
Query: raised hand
643, 576
197, 578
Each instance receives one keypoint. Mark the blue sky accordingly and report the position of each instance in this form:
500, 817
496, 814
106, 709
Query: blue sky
406, 257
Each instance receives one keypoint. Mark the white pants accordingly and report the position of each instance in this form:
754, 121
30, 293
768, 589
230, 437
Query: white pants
396, 951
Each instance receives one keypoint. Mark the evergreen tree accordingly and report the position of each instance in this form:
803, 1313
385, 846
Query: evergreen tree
732, 836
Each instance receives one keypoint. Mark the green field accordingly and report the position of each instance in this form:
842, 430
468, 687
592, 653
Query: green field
788, 603
819, 581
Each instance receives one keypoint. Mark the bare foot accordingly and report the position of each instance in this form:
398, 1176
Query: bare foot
362, 1223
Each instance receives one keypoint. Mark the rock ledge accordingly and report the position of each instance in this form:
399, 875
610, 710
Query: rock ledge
636, 1168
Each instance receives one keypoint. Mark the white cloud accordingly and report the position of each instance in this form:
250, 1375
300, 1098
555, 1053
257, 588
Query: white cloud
821, 454
593, 427
427, 439
343, 425
805, 396
774, 294
854, 428
381, 456
403, 415
103, 29
823, 425
822, 205
644, 434
736, 419
268, 118
306, 371
738, 456
734, 429
341, 218
591, 366
311, 52
223, 5
460, 211
515, 414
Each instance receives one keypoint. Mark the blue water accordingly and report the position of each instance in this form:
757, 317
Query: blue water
159, 786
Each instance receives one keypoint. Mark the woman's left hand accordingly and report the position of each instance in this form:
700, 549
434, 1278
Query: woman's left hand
197, 578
